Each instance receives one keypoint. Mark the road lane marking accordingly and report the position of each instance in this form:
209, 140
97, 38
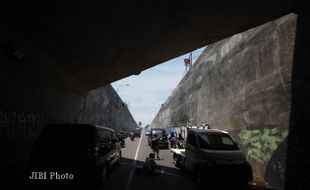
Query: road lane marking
137, 152
133, 163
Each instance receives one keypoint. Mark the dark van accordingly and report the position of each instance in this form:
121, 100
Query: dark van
163, 142
76, 152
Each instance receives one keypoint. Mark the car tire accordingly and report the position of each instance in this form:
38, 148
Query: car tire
243, 185
174, 156
119, 158
102, 174
198, 176
177, 162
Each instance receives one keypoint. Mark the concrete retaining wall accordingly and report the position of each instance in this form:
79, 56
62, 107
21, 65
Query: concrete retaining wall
104, 107
242, 84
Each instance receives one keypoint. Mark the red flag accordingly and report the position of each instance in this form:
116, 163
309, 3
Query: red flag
187, 61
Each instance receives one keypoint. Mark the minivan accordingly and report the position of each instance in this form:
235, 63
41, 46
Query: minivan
213, 154
80, 151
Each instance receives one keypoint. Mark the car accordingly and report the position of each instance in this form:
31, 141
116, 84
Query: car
148, 135
163, 142
121, 136
137, 132
85, 151
211, 155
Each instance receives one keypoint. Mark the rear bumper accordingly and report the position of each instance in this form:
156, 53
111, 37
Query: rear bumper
163, 145
235, 173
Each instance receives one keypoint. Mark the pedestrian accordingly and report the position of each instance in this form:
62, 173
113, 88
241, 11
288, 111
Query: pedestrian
150, 164
155, 146
181, 137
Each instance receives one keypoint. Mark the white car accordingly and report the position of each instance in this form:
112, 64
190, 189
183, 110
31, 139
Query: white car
213, 155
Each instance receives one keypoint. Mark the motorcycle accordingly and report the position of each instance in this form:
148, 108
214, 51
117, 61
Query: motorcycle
132, 137
181, 144
173, 143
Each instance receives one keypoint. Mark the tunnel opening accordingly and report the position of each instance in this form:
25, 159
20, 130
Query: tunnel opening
245, 90
53, 57
241, 70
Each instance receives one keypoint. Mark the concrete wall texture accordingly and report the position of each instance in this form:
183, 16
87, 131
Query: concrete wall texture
36, 91
242, 84
105, 107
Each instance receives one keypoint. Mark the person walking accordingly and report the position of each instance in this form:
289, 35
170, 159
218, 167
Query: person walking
155, 146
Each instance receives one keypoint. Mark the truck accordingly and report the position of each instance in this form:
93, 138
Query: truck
212, 155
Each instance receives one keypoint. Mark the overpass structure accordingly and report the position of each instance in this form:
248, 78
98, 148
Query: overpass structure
53, 53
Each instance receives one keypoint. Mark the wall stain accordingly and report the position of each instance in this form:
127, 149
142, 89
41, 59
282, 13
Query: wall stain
20, 126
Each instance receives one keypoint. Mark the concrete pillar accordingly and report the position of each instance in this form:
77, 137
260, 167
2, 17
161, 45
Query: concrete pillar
298, 153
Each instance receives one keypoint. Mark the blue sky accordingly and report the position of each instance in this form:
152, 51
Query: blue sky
147, 91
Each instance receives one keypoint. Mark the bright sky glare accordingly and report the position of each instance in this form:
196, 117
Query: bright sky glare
144, 93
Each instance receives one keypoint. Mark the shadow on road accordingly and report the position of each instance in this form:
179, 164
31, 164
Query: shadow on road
119, 179
172, 178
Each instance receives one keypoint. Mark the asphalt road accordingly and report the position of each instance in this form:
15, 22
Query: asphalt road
123, 176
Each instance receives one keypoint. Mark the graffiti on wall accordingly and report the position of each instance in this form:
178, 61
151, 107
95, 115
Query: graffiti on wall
14, 125
262, 143
260, 146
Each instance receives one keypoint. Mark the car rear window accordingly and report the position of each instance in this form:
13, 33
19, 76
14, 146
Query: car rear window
104, 136
157, 132
217, 141
65, 139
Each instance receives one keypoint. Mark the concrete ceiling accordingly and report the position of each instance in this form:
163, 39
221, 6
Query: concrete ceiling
100, 41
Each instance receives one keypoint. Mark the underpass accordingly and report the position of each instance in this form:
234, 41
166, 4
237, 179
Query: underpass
54, 55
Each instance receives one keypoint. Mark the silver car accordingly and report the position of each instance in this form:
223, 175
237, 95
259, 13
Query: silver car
214, 155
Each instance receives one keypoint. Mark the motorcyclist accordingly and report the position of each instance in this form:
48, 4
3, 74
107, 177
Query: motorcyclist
120, 136
132, 135
181, 142
172, 140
